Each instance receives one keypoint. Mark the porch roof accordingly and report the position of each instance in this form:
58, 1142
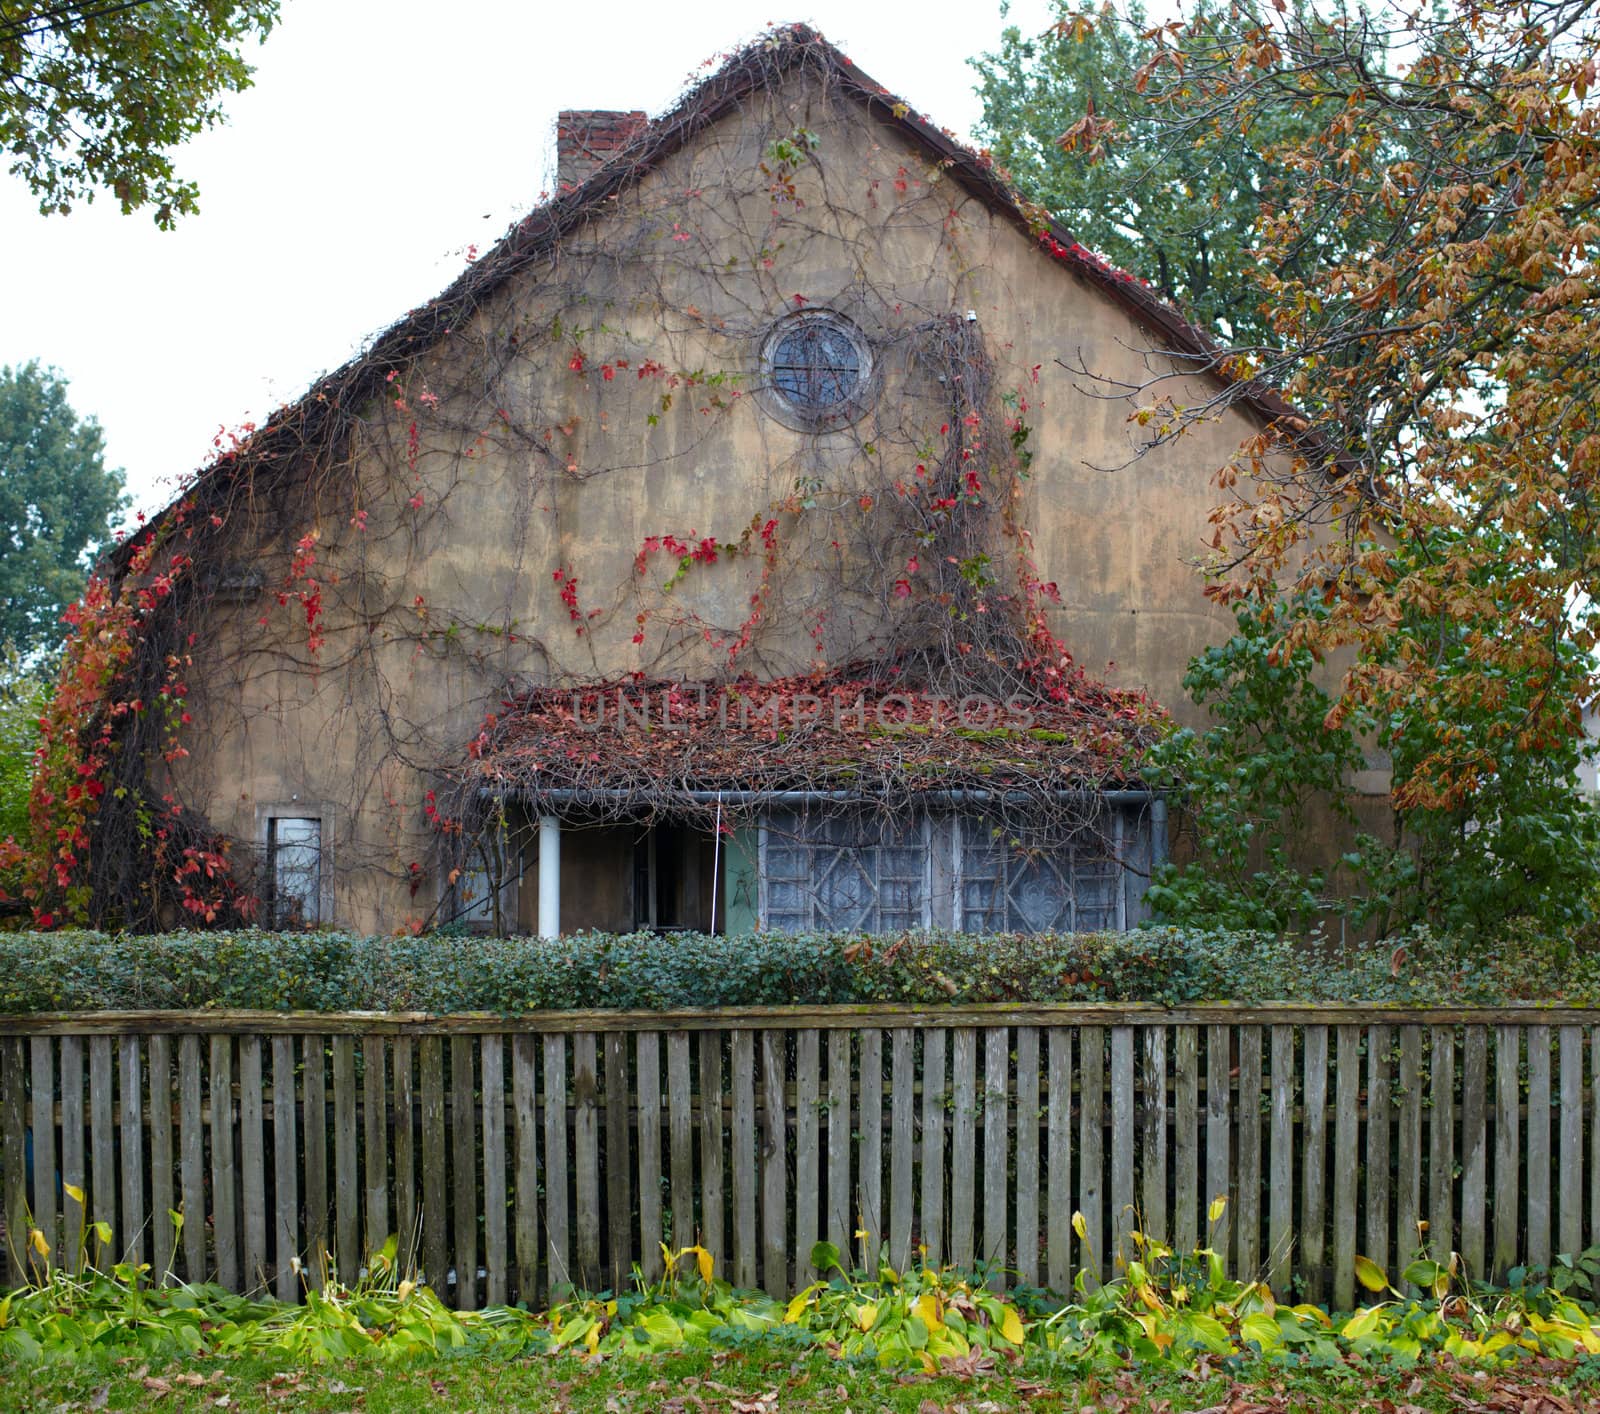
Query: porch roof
657, 746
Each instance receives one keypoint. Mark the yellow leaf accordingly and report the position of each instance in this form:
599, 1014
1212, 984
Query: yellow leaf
1370, 1274
866, 1314
74, 1193
1011, 1326
39, 1245
926, 1309
1080, 1227
1219, 1206
703, 1261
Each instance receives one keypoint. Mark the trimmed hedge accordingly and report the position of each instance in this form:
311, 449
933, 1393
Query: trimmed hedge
327, 971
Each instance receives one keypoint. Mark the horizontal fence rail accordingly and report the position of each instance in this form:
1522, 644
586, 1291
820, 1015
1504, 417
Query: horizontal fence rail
518, 1157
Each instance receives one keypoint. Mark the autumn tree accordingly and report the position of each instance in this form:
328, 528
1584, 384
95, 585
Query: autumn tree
58, 500
1435, 485
93, 96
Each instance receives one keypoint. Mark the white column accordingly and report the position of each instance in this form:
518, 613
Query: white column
549, 876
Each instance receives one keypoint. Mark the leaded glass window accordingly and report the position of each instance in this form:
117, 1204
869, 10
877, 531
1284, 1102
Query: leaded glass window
816, 367
1007, 887
850, 873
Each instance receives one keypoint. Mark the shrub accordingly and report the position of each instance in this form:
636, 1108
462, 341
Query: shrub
328, 971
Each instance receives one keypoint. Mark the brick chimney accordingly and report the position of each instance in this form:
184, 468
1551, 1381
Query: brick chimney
588, 138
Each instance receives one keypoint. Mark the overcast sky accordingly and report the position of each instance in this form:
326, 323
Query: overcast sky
381, 139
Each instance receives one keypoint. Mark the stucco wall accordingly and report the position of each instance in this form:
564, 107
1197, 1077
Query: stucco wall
499, 473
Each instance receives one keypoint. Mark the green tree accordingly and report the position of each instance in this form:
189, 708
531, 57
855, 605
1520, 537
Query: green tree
23, 698
57, 502
1074, 114
92, 96
1254, 785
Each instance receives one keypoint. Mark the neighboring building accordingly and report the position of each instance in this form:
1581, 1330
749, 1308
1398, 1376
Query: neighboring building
708, 549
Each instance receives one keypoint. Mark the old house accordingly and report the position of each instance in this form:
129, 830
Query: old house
757, 535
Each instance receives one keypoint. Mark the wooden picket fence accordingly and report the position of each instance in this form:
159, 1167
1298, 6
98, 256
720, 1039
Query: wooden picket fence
519, 1156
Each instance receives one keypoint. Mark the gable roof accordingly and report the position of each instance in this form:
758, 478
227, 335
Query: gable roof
788, 49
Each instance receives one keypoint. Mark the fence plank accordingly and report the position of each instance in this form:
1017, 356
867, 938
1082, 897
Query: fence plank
1474, 1147
1507, 1147
525, 1112
1058, 1145
963, 1148
1248, 1203
870, 1177
774, 1165
402, 1115
558, 1257
223, 1194
1186, 1137
619, 1186
1346, 1157
680, 1137
191, 1155
314, 1127
712, 1197
73, 1169
1218, 1139
585, 1162
375, 1145
103, 1138
1538, 1220
807, 1148
1594, 1136
902, 1146
1375, 1229
464, 1171
1570, 1198
1280, 1191
742, 1063
285, 1168
1313, 1133
837, 1227
996, 1151
435, 1183
13, 1156
1153, 1146
346, 1167
496, 1254
1027, 1155
934, 1091
1408, 1168
42, 1131
1091, 1148
252, 1165
647, 1064
135, 1217
1122, 1128
1441, 1144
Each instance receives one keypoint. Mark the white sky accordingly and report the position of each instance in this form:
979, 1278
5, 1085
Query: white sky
382, 137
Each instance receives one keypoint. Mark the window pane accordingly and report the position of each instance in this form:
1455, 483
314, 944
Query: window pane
844, 872
296, 847
1010, 887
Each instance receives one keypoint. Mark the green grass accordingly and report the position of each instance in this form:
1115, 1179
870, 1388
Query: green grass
764, 1381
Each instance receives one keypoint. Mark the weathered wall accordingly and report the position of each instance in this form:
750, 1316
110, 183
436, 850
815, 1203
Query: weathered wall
608, 397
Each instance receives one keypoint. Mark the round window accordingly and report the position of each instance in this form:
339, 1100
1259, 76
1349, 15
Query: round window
817, 367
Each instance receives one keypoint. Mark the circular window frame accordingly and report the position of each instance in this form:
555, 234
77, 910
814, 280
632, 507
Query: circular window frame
834, 415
